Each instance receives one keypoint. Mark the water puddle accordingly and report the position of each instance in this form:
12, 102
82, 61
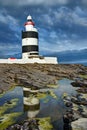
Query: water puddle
20, 104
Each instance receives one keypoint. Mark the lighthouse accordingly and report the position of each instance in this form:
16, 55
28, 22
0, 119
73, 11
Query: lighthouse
29, 40
30, 48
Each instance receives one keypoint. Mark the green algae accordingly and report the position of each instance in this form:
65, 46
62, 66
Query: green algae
83, 76
11, 88
44, 96
53, 94
64, 95
1, 94
41, 95
52, 86
7, 106
46, 100
45, 123
8, 119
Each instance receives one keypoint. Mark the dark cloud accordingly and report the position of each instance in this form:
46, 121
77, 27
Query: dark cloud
62, 24
33, 2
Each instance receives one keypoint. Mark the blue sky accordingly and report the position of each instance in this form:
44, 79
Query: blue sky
62, 24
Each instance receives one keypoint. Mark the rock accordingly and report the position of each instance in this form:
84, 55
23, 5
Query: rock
78, 95
76, 115
84, 112
27, 125
67, 127
8, 102
12, 127
66, 119
80, 110
79, 101
17, 126
82, 90
69, 111
79, 83
80, 124
68, 104
37, 75
67, 98
73, 99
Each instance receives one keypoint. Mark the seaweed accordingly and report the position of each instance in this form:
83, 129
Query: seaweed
83, 76
7, 106
11, 88
46, 100
52, 86
8, 119
41, 95
53, 94
45, 123
64, 95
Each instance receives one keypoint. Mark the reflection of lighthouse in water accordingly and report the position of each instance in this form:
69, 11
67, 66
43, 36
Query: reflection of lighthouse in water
31, 104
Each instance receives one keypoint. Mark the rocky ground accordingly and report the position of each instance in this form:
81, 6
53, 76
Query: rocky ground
36, 75
76, 114
39, 76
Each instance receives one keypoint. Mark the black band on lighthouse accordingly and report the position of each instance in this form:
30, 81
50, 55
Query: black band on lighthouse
32, 107
29, 34
29, 48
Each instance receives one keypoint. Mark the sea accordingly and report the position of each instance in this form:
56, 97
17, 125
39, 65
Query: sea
82, 62
71, 57
66, 60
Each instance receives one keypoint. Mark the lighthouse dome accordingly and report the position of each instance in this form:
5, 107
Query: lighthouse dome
29, 22
29, 17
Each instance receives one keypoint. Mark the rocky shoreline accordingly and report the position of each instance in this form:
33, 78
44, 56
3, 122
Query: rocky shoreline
37, 75
76, 113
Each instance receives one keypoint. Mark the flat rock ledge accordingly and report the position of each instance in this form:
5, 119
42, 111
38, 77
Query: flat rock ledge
36, 75
80, 124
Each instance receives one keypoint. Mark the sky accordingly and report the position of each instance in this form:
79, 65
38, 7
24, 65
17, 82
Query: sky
62, 24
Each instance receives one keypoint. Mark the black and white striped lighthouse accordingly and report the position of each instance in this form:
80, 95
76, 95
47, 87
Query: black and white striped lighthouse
29, 39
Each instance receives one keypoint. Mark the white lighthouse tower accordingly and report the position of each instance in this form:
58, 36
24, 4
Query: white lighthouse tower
29, 40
